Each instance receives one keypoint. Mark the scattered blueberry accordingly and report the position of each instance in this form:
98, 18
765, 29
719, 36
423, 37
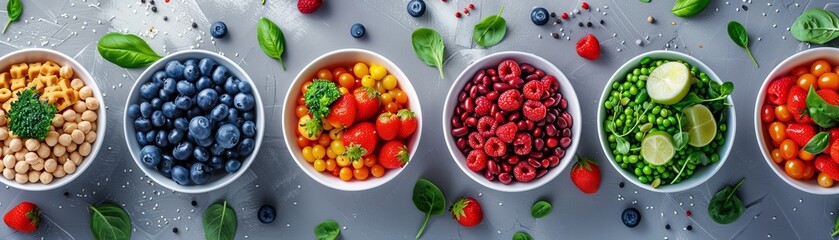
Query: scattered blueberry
631, 217
203, 83
165, 165
207, 99
243, 101
539, 16
159, 76
141, 139
267, 214
226, 99
205, 142
150, 156
181, 124
176, 136
142, 124
183, 102
156, 103
219, 75
170, 111
201, 154
219, 113
416, 8
186, 88
146, 109
157, 118
149, 90
246, 147
244, 87
249, 129
357, 30
180, 175
161, 139
231, 86
218, 29
216, 162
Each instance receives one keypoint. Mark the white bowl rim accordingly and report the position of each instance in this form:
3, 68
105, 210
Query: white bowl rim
568, 93
168, 182
761, 95
307, 168
696, 180
101, 120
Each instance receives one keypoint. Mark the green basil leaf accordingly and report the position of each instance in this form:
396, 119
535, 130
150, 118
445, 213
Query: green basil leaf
490, 31
429, 47
824, 114
327, 230
109, 221
540, 209
835, 229
738, 34
689, 100
126, 50
429, 200
681, 140
725, 207
219, 222
14, 8
271, 39
522, 236
645, 1
687, 8
818, 143
816, 26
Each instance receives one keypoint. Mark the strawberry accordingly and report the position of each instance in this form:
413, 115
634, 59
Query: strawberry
827, 166
368, 103
23, 218
829, 96
586, 175
387, 126
800, 133
408, 123
588, 47
360, 140
308, 6
834, 133
393, 154
467, 211
778, 90
342, 112
833, 149
797, 102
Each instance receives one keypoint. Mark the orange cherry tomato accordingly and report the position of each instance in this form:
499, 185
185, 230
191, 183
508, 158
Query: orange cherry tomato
789, 150
305, 87
361, 173
302, 141
829, 80
836, 69
809, 171
820, 67
386, 98
331, 164
776, 156
400, 96
825, 180
324, 73
301, 111
336, 172
767, 113
807, 80
794, 168
377, 170
778, 132
370, 160
346, 173
392, 107
782, 113
805, 155
800, 70
324, 140
338, 71
346, 80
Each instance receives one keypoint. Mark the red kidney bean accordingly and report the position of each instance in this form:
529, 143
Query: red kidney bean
561, 123
491, 72
513, 160
541, 173
534, 163
513, 117
536, 154
531, 77
552, 142
565, 142
567, 117
492, 167
521, 124
461, 143
530, 125
469, 105
485, 79
540, 73
551, 130
566, 132
549, 102
458, 111
559, 152
493, 109
464, 116
489, 176
471, 122
496, 79
537, 132
492, 96
501, 87
526, 68
456, 123
516, 82
482, 90
563, 104
462, 96
473, 91
505, 178
539, 144
540, 124
479, 76
554, 160
551, 119
546, 163
460, 132
499, 117
506, 167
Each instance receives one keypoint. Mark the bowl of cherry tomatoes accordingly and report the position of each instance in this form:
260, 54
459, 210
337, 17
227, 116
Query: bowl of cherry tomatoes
797, 120
352, 120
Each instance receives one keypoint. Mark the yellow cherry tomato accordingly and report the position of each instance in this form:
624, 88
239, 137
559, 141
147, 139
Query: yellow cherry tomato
807, 80
360, 69
346, 173
820, 67
825, 180
361, 173
789, 150
331, 164
324, 73
377, 170
809, 171
377, 71
380, 87
342, 161
358, 164
343, 90
399, 96
778, 132
368, 81
301, 128
320, 165
330, 154
389, 82
336, 134
307, 154
386, 98
318, 152
337, 146
805, 155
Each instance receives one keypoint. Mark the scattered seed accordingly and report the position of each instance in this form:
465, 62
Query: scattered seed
142, 1
639, 42
621, 185
152, 2
66, 194
457, 14
673, 23
688, 213
472, 5
194, 203
165, 18
650, 19
585, 5
565, 15
689, 227
602, 22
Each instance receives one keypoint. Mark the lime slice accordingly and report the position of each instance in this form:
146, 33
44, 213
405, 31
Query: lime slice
702, 127
669, 83
657, 148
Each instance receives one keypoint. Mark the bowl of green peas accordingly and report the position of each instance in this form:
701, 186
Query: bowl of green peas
666, 122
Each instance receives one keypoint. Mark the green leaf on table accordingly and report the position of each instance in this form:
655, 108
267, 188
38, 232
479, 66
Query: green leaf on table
816, 26
109, 221
429, 47
327, 230
522, 236
220, 222
688, 8
14, 8
835, 228
126, 50
428, 199
490, 31
540, 209
738, 34
818, 143
271, 39
725, 207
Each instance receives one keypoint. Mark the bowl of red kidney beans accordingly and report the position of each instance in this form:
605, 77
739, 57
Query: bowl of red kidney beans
512, 121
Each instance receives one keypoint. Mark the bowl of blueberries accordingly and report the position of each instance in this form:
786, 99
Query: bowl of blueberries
194, 121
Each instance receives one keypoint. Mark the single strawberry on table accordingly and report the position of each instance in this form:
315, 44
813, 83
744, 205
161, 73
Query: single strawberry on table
800, 133
467, 211
360, 140
779, 89
387, 125
588, 47
408, 123
586, 175
23, 218
308, 6
393, 154
342, 112
368, 103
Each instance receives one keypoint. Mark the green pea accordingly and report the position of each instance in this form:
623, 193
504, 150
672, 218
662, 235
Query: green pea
643, 77
689, 172
626, 85
723, 127
658, 63
638, 172
650, 118
664, 112
633, 159
715, 157
626, 94
665, 175
659, 121
611, 138
631, 104
624, 165
645, 71
656, 109
660, 169
615, 85
642, 179
615, 94
619, 123
648, 170
639, 136
634, 78
633, 90
628, 111
641, 84
691, 166
619, 158
672, 120
636, 71
628, 76
671, 131
641, 164
699, 84
608, 104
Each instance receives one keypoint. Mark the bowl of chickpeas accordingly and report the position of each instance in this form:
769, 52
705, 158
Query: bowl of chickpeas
54, 146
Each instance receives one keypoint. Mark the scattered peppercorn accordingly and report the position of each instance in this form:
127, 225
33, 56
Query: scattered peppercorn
472, 6
153, 8
466, 10
555, 35
165, 18
689, 227
589, 24
620, 185
745, 8
558, 21
66, 194
444, 0
667, 226
175, 230
602, 22
194, 203
142, 1
194, 25
152, 2
553, 14
580, 24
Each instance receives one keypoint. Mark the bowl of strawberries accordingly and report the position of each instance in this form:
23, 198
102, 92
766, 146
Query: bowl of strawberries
352, 120
797, 120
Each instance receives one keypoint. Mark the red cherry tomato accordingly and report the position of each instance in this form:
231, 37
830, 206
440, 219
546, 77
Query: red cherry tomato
767, 113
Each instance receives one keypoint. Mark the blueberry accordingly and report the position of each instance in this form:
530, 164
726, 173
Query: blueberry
174, 69
219, 75
206, 66
170, 124
232, 115
226, 99
157, 118
180, 175
150, 156
216, 162
207, 99
218, 88
161, 139
218, 29
194, 112
165, 165
266, 213
201, 154
216, 150
142, 124
183, 102
146, 109
150, 135
246, 147
191, 73
183, 150
219, 113
243, 101
207, 142
231, 154
170, 111
186, 88
176, 136
156, 103
249, 116
170, 86
149, 90
357, 30
200, 128
163, 95
244, 87
416, 8
231, 86
203, 83
631, 217
539, 16
159, 77
249, 129
191, 61
227, 136
141, 139
134, 110
199, 173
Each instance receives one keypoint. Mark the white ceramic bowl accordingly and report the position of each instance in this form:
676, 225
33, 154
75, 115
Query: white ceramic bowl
343, 58
30, 55
492, 61
806, 57
699, 176
219, 178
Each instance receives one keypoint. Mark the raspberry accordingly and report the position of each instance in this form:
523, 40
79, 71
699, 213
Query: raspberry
509, 69
510, 100
534, 110
486, 126
482, 106
494, 147
524, 172
476, 141
507, 132
550, 84
533, 90
477, 160
523, 144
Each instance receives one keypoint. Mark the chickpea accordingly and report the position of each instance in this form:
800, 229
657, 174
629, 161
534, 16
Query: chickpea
59, 150
61, 160
72, 147
92, 103
85, 92
52, 138
84, 126
9, 174
21, 178
44, 151
90, 137
69, 115
15, 145
76, 158
66, 72
2, 117
64, 140
84, 149
69, 127
21, 167
34, 176
32, 144
80, 106
31, 158
50, 165
69, 167
93, 126
89, 116
21, 155
58, 120
38, 166
9, 161
77, 136
46, 177
77, 84
4, 133
59, 172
